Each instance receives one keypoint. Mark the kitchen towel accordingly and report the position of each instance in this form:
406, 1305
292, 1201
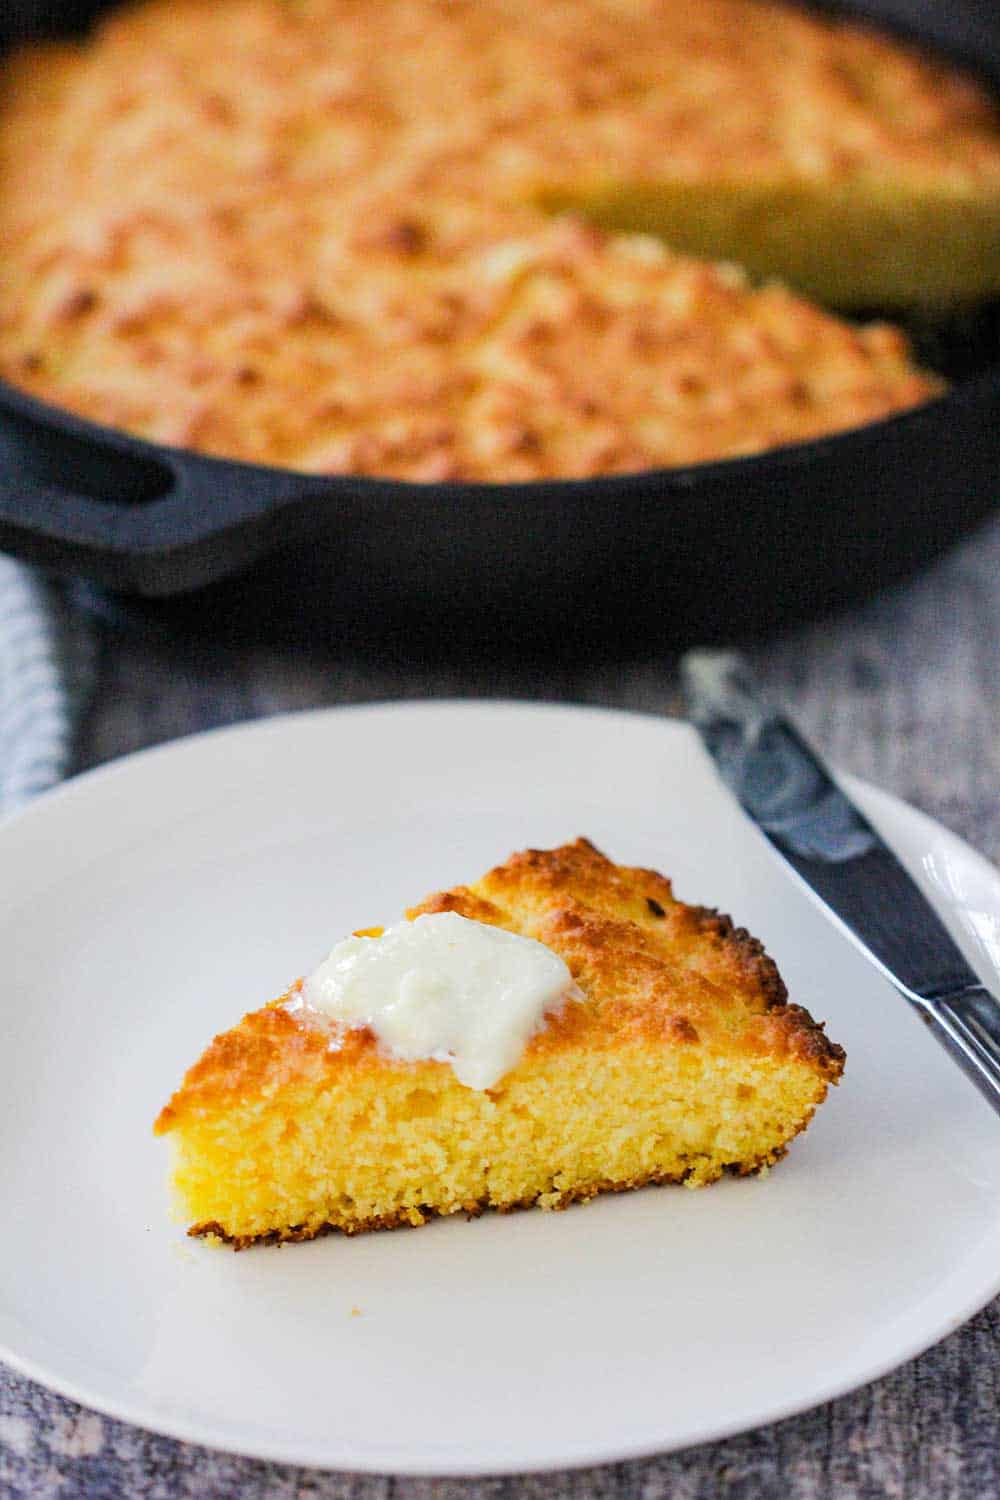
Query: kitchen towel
46, 675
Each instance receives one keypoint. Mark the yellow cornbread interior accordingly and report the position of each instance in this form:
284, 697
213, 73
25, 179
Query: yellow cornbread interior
400, 1142
867, 241
679, 1059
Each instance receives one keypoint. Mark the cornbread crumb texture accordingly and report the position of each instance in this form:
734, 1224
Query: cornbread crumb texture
683, 1060
316, 233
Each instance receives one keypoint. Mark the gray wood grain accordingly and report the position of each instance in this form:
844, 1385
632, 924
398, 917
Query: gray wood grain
904, 690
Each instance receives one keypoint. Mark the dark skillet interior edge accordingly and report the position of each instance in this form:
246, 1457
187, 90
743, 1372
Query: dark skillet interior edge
651, 559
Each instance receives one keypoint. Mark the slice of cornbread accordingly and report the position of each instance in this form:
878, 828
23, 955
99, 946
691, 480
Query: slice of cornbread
681, 1060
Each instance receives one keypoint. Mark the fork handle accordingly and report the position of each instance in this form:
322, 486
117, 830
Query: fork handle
968, 1025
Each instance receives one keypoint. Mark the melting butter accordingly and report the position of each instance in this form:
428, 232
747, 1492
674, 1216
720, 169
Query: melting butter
444, 988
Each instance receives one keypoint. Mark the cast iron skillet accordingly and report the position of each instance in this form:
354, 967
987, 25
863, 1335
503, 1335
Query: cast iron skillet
720, 548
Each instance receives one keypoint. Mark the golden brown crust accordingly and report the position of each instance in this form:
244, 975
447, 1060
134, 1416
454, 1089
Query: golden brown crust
651, 969
648, 963
235, 227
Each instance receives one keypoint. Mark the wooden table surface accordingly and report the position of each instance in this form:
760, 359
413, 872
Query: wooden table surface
903, 690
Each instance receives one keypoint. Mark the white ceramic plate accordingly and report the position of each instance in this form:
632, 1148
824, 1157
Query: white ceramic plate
147, 905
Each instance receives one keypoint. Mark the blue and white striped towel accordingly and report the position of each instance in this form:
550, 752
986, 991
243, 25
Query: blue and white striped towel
46, 673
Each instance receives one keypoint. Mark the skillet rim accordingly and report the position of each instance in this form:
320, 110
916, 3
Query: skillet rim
60, 421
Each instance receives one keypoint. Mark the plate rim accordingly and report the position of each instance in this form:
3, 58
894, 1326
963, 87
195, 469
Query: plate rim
216, 1434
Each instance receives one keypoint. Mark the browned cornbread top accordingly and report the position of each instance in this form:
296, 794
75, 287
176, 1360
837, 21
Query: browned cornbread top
495, 91
652, 970
650, 966
553, 352
265, 228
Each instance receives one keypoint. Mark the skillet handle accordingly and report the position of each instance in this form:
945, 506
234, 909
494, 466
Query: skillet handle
87, 501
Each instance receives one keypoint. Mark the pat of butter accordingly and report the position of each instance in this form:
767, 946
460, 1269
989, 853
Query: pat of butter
443, 988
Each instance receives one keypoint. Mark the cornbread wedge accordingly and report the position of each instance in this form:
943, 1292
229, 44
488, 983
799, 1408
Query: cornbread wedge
271, 229
680, 1060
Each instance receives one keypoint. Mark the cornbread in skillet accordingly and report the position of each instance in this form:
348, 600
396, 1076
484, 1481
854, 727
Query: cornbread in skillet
317, 233
681, 1060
